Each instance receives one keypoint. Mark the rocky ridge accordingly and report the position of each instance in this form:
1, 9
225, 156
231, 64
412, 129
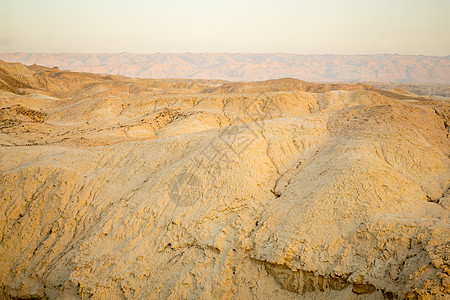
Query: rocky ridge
114, 187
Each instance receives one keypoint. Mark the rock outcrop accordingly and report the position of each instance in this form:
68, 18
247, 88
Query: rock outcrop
113, 188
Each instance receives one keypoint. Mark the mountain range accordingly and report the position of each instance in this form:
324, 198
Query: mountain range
250, 66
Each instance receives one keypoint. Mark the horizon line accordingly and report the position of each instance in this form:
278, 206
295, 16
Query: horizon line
232, 53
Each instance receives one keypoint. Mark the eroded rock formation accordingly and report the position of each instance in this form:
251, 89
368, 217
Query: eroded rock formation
113, 187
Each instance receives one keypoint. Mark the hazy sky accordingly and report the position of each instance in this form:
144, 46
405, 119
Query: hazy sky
294, 26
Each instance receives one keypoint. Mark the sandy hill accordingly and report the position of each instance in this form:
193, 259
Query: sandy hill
250, 66
114, 187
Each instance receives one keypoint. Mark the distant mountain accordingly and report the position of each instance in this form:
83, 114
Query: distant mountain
250, 66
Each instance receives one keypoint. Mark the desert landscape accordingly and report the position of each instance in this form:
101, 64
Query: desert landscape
250, 66
114, 187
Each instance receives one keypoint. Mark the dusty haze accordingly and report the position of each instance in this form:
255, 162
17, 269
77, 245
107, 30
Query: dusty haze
250, 66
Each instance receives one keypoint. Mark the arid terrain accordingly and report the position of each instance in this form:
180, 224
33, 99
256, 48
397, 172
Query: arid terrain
250, 66
114, 187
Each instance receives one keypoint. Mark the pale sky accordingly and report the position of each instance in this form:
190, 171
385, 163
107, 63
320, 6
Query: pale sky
292, 26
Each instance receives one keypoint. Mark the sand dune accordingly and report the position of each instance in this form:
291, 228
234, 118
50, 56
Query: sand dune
114, 187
